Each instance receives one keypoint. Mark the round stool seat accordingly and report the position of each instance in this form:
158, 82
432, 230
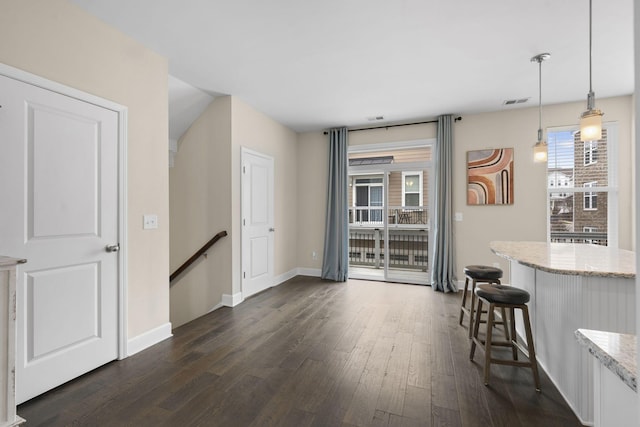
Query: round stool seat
482, 272
501, 294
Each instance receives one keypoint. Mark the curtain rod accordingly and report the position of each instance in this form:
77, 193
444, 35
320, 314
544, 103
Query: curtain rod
393, 126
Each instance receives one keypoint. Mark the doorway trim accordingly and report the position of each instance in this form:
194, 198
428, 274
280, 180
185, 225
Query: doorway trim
122, 112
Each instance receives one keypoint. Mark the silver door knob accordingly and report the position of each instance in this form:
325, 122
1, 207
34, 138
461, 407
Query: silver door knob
272, 229
113, 248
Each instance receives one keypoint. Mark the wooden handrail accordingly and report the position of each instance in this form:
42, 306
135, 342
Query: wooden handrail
195, 256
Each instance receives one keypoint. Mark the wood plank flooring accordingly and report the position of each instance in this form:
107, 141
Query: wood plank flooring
310, 353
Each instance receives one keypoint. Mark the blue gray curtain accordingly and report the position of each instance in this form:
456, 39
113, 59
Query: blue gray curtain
335, 260
443, 268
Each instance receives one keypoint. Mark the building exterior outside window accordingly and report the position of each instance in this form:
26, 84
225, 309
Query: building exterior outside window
580, 186
590, 198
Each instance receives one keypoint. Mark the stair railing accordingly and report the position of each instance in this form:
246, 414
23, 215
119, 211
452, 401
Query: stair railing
197, 255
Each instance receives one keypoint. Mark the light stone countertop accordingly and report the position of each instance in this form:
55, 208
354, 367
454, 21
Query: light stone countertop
569, 258
615, 351
6, 261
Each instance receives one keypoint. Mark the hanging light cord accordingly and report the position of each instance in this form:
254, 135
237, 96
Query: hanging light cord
539, 58
540, 99
591, 95
590, 48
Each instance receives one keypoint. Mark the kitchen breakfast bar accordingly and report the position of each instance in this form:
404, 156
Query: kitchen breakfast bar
572, 286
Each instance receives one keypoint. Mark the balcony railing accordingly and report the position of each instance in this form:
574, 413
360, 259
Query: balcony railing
584, 237
366, 216
372, 216
408, 249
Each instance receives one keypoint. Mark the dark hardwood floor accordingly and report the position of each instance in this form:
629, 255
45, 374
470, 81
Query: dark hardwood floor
310, 353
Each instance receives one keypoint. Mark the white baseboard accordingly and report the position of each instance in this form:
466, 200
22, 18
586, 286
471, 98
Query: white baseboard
285, 276
149, 338
232, 300
313, 272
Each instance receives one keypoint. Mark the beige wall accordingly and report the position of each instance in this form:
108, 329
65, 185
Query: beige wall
313, 167
524, 220
56, 40
205, 199
254, 130
401, 133
200, 205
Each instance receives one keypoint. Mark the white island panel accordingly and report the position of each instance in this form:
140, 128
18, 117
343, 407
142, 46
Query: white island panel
615, 376
568, 293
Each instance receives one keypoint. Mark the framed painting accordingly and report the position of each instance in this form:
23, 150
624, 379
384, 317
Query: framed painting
490, 177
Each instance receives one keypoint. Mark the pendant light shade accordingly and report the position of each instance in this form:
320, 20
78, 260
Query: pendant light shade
540, 152
591, 125
540, 147
591, 120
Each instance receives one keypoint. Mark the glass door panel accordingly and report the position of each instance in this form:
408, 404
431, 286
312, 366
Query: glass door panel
407, 231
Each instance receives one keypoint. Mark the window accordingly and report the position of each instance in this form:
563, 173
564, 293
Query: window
590, 198
368, 194
590, 152
582, 189
412, 188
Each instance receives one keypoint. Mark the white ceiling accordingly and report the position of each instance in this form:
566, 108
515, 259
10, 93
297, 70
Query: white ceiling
312, 65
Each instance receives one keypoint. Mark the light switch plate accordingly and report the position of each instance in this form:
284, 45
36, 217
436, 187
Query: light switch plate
458, 216
149, 221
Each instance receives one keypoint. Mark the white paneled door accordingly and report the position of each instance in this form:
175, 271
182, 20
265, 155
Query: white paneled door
59, 193
257, 222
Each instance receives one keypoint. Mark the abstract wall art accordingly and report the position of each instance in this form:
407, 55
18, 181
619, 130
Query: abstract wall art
490, 177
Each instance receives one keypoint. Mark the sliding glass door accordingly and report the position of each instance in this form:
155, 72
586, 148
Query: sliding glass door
390, 212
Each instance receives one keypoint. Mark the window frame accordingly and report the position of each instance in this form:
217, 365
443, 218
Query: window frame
591, 153
405, 174
369, 207
611, 190
591, 196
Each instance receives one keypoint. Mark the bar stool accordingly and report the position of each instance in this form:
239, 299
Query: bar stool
476, 274
510, 298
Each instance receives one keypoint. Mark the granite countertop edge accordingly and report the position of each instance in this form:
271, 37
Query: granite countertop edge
505, 253
608, 360
565, 272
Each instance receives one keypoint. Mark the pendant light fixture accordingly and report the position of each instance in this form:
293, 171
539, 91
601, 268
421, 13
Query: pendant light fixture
591, 120
540, 148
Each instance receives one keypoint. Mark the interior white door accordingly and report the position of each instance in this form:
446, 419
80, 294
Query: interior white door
257, 221
59, 192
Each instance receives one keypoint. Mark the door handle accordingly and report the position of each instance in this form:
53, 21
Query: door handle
112, 248
271, 229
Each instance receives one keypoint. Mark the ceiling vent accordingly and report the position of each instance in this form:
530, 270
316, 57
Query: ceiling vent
515, 101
